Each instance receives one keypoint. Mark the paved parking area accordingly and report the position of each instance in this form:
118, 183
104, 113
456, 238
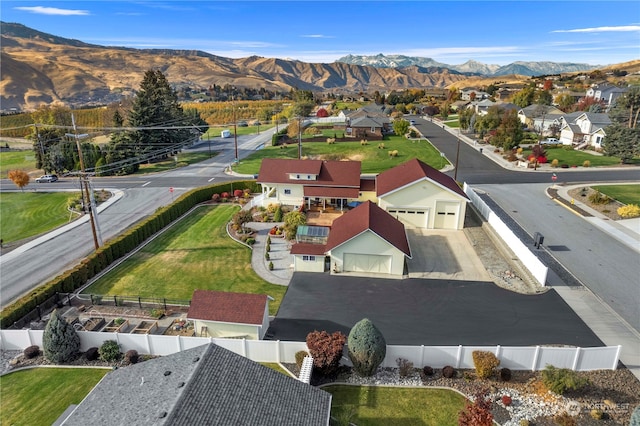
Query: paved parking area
428, 312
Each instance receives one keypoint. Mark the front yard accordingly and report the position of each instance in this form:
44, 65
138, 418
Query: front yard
196, 253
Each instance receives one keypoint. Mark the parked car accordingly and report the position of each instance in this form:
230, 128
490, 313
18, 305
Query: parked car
550, 140
412, 122
47, 178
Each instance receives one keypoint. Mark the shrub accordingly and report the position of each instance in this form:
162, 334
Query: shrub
485, 363
109, 351
524, 422
559, 380
269, 241
271, 266
251, 241
554, 162
367, 347
238, 193
216, 198
31, 351
364, 142
478, 412
326, 350
277, 215
586, 163
506, 400
427, 371
404, 367
266, 256
596, 414
448, 372
381, 146
268, 247
505, 374
60, 342
91, 354
565, 419
598, 197
629, 211
635, 417
131, 356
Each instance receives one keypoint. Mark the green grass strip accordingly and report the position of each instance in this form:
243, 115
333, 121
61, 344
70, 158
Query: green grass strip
196, 253
16, 160
626, 194
389, 406
25, 214
39, 396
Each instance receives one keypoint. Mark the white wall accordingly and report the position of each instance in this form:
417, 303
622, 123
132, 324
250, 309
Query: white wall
316, 265
368, 243
514, 357
528, 259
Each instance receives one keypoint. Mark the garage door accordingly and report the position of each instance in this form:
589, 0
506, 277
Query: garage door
446, 215
411, 217
373, 263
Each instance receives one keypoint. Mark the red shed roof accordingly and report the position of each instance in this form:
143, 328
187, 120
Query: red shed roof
308, 248
413, 171
241, 308
368, 216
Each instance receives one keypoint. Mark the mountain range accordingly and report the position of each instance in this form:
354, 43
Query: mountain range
470, 67
40, 68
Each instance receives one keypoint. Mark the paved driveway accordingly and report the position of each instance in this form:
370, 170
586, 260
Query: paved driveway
443, 254
428, 312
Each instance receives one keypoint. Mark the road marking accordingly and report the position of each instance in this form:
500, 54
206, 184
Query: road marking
211, 179
145, 184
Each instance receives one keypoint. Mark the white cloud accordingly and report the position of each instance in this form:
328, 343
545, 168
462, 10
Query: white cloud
53, 11
316, 36
621, 28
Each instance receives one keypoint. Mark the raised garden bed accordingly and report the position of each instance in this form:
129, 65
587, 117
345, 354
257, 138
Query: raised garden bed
180, 327
93, 323
145, 327
116, 325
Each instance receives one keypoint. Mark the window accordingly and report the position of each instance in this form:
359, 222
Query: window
287, 192
306, 258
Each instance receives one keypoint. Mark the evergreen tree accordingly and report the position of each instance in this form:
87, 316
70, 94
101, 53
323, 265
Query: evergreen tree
367, 347
60, 342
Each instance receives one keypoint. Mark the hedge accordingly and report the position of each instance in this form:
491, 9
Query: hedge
114, 249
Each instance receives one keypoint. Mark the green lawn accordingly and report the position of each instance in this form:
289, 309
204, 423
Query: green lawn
39, 396
374, 159
184, 159
214, 132
25, 214
627, 194
196, 253
576, 158
16, 160
388, 406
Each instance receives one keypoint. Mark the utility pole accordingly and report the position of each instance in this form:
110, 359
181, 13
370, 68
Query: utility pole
455, 173
87, 196
299, 138
235, 127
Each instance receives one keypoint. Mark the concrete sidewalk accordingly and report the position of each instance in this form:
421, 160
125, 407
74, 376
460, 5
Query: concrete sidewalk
279, 255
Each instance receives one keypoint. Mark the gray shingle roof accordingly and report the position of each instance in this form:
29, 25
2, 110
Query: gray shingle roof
205, 385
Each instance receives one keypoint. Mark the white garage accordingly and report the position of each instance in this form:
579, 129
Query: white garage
411, 217
447, 215
369, 263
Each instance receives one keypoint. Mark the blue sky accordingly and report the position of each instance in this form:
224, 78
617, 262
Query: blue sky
452, 32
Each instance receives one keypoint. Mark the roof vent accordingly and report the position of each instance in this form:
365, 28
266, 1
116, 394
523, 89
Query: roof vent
181, 384
196, 359
162, 415
166, 373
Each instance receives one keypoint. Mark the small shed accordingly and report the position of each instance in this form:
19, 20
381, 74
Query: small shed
229, 315
312, 234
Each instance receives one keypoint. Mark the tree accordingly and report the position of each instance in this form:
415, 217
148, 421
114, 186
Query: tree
242, 217
291, 222
326, 350
60, 342
543, 97
509, 133
627, 108
400, 127
19, 177
524, 97
565, 102
367, 347
587, 103
622, 141
464, 117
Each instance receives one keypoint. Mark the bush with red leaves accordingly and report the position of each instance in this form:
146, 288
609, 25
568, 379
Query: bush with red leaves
506, 400
238, 193
477, 413
326, 350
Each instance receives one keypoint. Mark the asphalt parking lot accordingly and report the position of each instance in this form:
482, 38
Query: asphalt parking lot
428, 312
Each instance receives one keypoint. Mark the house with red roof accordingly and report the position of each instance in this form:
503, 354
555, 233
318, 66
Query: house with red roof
229, 315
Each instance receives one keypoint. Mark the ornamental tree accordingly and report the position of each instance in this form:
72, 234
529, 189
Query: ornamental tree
326, 350
60, 342
366, 347
19, 177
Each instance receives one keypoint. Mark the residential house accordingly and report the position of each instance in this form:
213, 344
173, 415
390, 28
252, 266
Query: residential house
473, 95
606, 92
203, 385
586, 129
482, 107
229, 315
539, 117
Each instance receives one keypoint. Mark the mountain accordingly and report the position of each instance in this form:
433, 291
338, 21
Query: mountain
474, 67
39, 68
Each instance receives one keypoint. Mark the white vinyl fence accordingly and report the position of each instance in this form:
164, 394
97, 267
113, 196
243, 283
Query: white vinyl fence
528, 259
514, 357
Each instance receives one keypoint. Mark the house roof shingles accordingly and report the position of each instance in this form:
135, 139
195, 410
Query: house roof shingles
240, 308
368, 216
413, 171
205, 385
330, 173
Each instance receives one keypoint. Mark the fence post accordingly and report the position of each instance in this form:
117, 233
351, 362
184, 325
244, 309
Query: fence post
39, 313
615, 361
576, 357
244, 347
278, 351
422, 355
148, 345
459, 356
498, 348
115, 300
139, 303
536, 354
